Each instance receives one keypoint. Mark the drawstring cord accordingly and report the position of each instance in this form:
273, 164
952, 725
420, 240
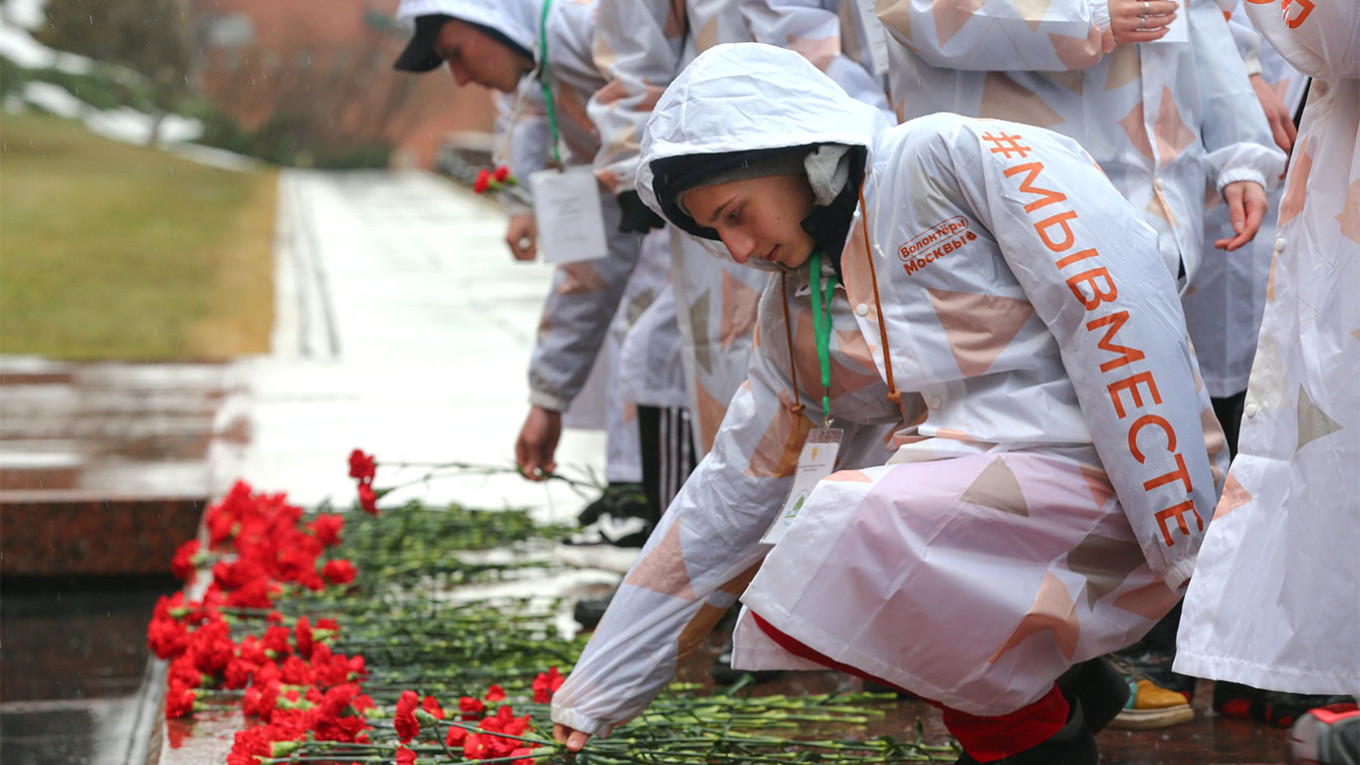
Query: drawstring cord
894, 395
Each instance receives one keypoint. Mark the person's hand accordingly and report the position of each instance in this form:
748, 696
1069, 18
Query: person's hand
1246, 202
574, 739
1140, 21
1277, 114
538, 442
521, 235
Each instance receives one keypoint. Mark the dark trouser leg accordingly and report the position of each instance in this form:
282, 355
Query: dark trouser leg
1229, 412
668, 455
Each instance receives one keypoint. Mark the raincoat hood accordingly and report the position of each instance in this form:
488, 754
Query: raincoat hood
517, 20
746, 97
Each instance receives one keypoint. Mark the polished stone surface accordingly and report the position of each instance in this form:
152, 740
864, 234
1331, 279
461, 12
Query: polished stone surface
74, 687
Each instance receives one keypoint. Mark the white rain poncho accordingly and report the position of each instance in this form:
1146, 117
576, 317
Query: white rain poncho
1053, 460
1158, 117
1275, 602
586, 296
640, 45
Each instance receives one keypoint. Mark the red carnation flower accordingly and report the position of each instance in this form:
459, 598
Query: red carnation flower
302, 634
495, 693
405, 722
338, 571
249, 745
327, 528
457, 735
483, 181
368, 499
405, 756
362, 466
546, 684
431, 705
470, 707
276, 642
186, 558
502, 174
179, 701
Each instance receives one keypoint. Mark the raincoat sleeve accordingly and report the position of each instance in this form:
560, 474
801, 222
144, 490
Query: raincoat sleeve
1237, 139
1080, 253
813, 29
1248, 42
521, 140
1001, 35
702, 554
1319, 37
638, 45
576, 314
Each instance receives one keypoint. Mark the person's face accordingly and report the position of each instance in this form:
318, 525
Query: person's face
758, 218
472, 56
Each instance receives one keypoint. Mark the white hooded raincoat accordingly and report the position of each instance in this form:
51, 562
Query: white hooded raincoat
1275, 602
1050, 474
1158, 117
640, 46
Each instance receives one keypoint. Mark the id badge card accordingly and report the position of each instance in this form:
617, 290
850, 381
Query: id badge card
567, 211
817, 461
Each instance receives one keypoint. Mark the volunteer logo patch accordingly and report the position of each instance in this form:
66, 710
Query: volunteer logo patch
944, 238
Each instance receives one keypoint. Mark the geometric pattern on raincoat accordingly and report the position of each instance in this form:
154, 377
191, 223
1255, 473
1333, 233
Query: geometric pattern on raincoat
1025, 484
1158, 117
830, 34
640, 45
1275, 602
1225, 299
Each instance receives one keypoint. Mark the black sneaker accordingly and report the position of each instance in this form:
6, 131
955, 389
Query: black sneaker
617, 499
1100, 689
1283, 710
589, 611
1073, 744
613, 530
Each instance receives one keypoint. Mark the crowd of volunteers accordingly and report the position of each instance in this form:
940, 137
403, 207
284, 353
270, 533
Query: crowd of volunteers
929, 329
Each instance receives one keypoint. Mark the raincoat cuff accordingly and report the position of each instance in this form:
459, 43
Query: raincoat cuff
1179, 574
577, 720
547, 400
513, 206
1240, 174
1100, 13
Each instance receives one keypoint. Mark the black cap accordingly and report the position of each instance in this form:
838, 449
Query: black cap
419, 55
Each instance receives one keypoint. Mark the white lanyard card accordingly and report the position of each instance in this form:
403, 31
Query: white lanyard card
567, 211
815, 462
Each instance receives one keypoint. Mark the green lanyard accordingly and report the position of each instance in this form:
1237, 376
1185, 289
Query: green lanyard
545, 80
821, 326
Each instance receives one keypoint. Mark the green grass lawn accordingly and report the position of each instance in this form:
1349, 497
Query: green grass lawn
112, 251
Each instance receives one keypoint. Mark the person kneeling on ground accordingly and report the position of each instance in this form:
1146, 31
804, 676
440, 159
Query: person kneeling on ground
981, 284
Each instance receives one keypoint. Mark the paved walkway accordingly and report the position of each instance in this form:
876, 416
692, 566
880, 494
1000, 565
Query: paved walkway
404, 329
